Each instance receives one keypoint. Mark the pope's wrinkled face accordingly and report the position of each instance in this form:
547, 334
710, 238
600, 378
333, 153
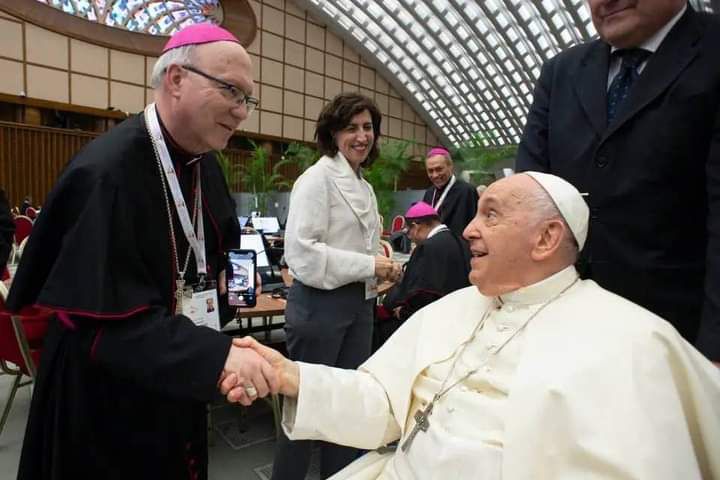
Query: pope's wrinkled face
355, 140
439, 170
210, 112
628, 23
501, 236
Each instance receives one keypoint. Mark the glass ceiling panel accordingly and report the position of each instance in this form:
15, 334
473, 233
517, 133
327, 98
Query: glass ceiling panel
467, 66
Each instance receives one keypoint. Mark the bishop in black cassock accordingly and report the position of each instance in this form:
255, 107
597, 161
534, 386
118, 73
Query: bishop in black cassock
123, 381
439, 264
454, 199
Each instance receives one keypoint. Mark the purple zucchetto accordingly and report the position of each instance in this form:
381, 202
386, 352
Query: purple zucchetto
420, 210
197, 34
442, 151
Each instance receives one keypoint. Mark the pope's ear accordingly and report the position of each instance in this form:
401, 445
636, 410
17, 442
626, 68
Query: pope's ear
549, 239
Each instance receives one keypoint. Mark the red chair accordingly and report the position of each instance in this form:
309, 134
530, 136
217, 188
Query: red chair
31, 213
23, 227
21, 338
398, 224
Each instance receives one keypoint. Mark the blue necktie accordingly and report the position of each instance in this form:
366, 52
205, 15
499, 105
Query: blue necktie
619, 89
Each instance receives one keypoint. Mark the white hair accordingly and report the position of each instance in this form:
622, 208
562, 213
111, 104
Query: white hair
543, 208
176, 56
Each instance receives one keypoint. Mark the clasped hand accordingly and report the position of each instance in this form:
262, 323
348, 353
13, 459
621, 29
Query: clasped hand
253, 371
386, 269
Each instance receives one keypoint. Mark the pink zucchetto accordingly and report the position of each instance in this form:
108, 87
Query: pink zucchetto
197, 34
419, 210
442, 151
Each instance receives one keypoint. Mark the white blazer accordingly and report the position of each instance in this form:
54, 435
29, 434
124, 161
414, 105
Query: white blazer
333, 229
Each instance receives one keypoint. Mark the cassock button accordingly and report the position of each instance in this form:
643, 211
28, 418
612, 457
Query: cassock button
510, 308
501, 328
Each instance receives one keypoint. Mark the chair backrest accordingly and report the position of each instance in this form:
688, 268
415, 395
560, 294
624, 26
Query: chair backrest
21, 337
398, 224
31, 213
386, 248
23, 227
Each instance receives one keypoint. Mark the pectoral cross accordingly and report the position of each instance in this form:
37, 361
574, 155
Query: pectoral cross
422, 422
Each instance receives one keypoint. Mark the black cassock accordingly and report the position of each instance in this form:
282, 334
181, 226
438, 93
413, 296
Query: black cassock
440, 265
123, 382
459, 206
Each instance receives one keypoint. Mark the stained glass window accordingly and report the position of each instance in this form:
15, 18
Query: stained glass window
155, 18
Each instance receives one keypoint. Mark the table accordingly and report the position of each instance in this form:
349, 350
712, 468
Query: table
267, 307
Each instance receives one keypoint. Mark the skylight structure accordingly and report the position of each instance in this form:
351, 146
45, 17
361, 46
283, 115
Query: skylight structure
467, 66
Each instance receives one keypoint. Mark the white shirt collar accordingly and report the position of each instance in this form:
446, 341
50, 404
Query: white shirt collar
543, 290
437, 229
653, 43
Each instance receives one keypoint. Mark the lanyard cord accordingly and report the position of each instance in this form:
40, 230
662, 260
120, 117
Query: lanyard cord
443, 390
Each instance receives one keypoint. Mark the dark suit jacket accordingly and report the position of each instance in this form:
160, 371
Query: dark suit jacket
459, 206
653, 175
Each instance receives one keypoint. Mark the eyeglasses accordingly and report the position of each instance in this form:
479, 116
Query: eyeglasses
237, 95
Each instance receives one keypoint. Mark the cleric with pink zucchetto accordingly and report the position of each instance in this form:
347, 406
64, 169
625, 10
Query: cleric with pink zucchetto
133, 237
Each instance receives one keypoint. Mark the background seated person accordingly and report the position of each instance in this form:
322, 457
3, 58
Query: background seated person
439, 264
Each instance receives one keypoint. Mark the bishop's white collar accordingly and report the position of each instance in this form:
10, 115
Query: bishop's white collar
541, 291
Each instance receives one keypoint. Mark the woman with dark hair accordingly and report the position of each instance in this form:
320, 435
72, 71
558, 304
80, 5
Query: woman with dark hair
331, 242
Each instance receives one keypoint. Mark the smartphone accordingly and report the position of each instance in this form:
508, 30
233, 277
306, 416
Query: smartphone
240, 278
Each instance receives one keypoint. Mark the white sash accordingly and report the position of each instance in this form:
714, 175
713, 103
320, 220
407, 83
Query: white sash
196, 242
444, 194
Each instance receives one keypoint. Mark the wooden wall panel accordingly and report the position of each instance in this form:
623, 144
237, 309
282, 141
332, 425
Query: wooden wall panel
31, 158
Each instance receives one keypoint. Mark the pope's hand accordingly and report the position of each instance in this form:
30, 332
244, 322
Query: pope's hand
288, 374
249, 372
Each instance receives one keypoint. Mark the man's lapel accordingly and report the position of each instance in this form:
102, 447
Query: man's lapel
674, 55
591, 85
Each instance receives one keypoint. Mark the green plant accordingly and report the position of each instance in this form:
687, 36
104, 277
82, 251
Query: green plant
230, 172
258, 178
383, 175
477, 157
300, 155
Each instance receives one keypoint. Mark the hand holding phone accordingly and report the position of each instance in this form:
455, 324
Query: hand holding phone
241, 278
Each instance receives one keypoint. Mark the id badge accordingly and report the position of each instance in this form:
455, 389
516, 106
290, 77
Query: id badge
371, 288
202, 307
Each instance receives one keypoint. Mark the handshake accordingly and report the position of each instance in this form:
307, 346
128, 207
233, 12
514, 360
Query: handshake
253, 371
386, 269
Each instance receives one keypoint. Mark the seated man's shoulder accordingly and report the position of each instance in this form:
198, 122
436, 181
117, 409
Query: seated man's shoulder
613, 313
462, 300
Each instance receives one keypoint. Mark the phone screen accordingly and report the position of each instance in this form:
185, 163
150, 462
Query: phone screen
241, 278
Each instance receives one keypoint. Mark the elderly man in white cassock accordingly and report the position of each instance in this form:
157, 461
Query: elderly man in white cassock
529, 374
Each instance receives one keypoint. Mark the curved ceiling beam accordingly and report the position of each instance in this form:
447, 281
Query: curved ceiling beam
465, 66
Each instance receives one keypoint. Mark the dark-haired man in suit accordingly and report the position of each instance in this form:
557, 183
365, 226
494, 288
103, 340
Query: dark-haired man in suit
633, 119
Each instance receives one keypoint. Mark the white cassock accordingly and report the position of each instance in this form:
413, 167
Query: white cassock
594, 387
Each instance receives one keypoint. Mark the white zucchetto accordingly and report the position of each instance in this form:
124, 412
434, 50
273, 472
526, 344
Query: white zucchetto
568, 200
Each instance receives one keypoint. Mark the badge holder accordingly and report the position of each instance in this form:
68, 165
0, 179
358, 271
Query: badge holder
200, 304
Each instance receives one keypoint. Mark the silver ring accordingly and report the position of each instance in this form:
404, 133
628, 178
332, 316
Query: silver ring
250, 390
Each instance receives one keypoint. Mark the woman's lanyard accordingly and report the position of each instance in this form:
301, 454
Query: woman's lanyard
444, 194
196, 242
